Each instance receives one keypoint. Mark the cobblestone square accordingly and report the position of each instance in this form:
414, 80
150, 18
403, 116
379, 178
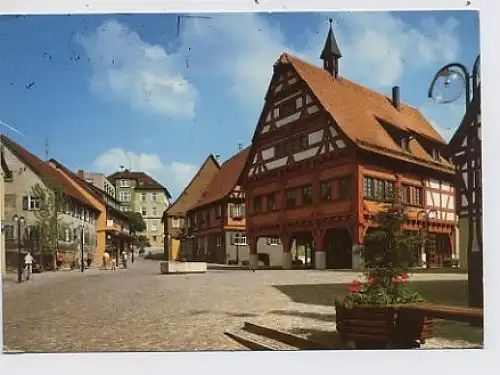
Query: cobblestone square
139, 309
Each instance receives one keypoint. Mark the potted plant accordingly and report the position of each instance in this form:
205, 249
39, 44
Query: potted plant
369, 316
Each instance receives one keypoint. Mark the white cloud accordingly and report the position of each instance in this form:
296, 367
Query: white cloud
174, 175
377, 48
136, 72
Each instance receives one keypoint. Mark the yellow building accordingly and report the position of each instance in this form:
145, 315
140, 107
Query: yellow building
113, 230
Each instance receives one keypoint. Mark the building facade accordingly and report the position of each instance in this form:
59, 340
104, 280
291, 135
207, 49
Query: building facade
112, 227
327, 155
74, 211
100, 181
216, 224
465, 148
5, 175
174, 217
139, 192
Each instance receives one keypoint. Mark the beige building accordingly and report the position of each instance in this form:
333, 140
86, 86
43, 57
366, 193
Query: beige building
27, 171
139, 192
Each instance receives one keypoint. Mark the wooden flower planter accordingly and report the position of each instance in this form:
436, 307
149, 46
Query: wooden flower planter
373, 327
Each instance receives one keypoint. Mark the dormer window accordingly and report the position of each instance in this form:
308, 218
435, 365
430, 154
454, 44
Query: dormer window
405, 144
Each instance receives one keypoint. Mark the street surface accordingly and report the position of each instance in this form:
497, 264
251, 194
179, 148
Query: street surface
139, 309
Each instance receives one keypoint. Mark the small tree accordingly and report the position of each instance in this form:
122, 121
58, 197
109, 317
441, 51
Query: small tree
388, 253
136, 222
141, 242
48, 220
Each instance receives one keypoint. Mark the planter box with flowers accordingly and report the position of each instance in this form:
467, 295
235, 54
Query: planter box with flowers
370, 316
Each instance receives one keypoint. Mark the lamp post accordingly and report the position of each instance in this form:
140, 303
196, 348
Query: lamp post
19, 220
237, 243
425, 231
471, 184
82, 263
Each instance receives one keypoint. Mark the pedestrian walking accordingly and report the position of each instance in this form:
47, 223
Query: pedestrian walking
105, 260
124, 259
113, 263
28, 265
58, 260
89, 260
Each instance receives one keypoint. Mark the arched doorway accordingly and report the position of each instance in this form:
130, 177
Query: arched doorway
338, 247
303, 249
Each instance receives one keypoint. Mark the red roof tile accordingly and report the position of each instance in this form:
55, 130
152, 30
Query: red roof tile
144, 181
47, 174
359, 111
225, 180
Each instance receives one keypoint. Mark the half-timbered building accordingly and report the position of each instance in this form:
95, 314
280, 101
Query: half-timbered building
327, 154
216, 224
465, 148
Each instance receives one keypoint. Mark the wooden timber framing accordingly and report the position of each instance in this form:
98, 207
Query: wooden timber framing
327, 153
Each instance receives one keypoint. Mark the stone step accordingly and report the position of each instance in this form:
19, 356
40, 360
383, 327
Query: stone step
257, 342
292, 340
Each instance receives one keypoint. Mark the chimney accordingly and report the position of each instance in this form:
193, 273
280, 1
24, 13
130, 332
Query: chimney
217, 157
80, 174
396, 97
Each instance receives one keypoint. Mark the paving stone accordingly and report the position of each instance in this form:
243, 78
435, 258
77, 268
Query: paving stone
139, 309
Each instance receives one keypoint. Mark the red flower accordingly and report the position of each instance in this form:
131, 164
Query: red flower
356, 282
396, 280
404, 277
353, 289
371, 281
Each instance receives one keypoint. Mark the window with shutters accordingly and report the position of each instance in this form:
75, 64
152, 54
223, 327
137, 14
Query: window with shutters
257, 204
325, 189
9, 232
238, 211
306, 194
290, 198
238, 239
274, 241
31, 203
271, 201
405, 196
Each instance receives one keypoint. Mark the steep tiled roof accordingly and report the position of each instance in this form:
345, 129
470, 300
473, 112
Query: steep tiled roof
93, 190
225, 180
46, 173
144, 181
196, 187
359, 112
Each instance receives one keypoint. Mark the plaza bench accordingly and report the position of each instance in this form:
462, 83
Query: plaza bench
471, 315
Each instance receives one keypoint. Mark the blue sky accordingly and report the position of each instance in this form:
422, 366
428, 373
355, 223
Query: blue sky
127, 90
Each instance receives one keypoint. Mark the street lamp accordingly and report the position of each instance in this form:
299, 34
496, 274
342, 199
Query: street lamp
469, 180
455, 79
237, 243
19, 220
424, 233
82, 263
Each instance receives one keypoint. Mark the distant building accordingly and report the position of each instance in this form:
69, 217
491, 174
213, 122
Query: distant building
174, 217
113, 229
139, 192
99, 180
216, 224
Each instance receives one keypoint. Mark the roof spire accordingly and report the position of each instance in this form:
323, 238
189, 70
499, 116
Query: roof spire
331, 53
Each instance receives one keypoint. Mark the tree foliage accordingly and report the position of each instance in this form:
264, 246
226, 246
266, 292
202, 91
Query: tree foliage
142, 242
388, 253
47, 219
136, 222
